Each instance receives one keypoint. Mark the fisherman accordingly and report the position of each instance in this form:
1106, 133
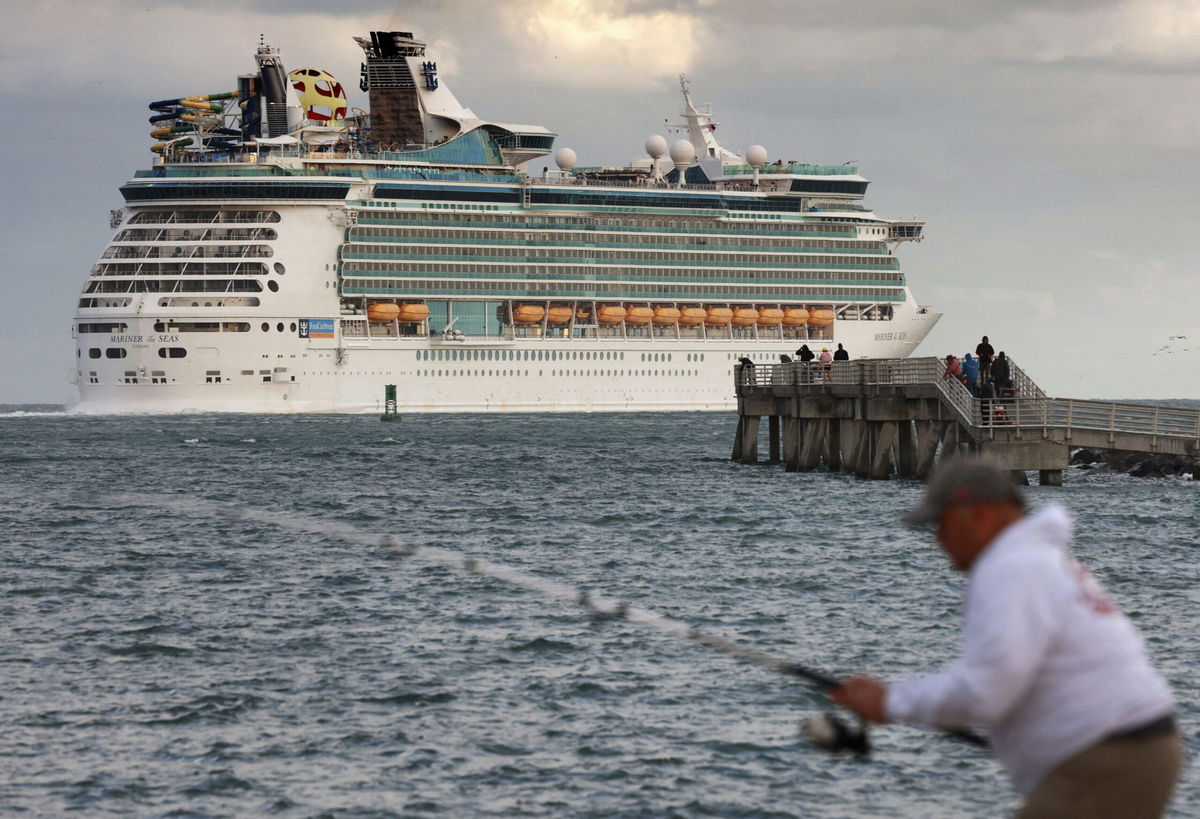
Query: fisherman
1082, 722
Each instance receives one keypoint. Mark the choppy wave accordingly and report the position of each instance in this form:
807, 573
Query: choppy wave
208, 614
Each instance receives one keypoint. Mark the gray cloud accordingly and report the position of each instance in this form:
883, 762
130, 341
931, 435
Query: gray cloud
1049, 144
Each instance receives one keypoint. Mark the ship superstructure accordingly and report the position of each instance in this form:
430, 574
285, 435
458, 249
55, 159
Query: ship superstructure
289, 253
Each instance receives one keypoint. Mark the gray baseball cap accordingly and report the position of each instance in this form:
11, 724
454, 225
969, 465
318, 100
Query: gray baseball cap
964, 480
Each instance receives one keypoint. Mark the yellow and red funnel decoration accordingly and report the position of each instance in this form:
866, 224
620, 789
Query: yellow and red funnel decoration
321, 95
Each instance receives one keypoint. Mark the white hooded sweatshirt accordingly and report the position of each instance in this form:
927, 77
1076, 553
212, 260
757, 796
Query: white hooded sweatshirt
1048, 666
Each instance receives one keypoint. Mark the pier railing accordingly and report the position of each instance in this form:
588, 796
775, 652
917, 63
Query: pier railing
1099, 416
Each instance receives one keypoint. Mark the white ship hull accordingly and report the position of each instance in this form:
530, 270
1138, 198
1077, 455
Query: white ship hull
524, 375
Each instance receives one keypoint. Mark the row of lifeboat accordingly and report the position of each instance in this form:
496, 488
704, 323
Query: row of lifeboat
382, 311
630, 314
666, 315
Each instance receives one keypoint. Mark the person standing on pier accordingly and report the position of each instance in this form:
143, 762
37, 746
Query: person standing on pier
970, 370
840, 354
985, 353
1082, 722
1001, 375
806, 356
825, 359
745, 371
953, 369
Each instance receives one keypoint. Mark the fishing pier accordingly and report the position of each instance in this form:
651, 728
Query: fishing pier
879, 417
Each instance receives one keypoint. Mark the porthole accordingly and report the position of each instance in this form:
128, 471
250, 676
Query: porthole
279, 326
116, 352
273, 286
266, 328
279, 268
292, 326
94, 352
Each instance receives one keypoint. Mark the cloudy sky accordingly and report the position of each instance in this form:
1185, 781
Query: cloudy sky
1051, 146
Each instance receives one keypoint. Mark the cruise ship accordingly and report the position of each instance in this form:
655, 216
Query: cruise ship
287, 252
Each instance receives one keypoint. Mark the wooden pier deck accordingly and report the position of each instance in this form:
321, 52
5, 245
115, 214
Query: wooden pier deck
878, 417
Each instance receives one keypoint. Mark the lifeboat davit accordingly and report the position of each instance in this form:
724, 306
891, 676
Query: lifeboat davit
716, 316
383, 311
412, 313
744, 316
768, 316
667, 315
821, 317
635, 314
690, 316
528, 313
559, 314
795, 317
610, 314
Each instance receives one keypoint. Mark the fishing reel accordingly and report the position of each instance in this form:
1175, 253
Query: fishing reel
830, 732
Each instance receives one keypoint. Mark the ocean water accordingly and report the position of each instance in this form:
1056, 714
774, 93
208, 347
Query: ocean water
204, 616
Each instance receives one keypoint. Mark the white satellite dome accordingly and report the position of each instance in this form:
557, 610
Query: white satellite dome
756, 156
683, 152
565, 158
656, 146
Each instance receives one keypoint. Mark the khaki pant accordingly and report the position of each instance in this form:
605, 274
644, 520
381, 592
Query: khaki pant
1126, 778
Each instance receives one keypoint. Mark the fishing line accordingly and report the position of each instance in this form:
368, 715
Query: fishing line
833, 734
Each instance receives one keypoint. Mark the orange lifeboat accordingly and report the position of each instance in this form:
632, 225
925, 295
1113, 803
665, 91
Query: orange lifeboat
610, 314
559, 314
690, 316
768, 316
820, 317
795, 317
383, 311
412, 313
635, 314
716, 316
667, 315
528, 313
744, 316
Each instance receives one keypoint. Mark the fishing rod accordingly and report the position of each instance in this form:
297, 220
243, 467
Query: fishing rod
827, 731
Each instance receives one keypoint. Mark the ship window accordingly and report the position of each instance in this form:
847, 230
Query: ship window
103, 327
172, 352
292, 327
280, 269
266, 327
94, 352
273, 286
116, 352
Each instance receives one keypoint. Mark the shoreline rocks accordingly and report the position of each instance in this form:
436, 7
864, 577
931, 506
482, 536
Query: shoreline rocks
1137, 464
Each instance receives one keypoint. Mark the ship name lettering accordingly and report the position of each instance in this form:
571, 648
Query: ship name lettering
125, 339
901, 336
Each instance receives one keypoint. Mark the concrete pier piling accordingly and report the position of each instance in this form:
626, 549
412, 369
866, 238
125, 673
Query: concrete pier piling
882, 417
